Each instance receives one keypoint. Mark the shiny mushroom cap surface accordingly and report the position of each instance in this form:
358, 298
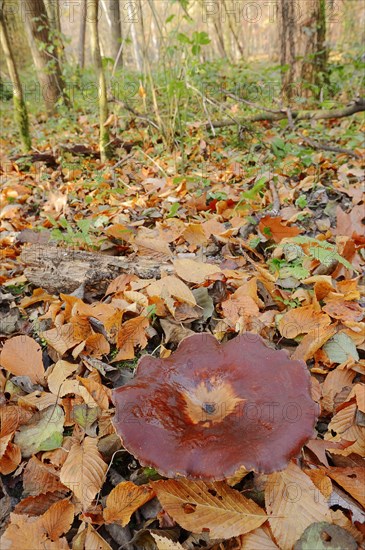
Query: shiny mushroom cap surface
211, 408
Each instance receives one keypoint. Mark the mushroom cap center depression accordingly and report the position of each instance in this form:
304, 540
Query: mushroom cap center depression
211, 401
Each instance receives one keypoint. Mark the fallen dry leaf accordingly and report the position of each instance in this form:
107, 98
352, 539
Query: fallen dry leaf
131, 334
273, 227
22, 356
212, 507
124, 500
294, 503
302, 320
193, 271
84, 471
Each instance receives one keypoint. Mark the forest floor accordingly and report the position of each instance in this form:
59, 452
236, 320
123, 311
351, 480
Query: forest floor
251, 231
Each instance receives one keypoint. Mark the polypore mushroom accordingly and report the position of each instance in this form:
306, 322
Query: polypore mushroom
210, 408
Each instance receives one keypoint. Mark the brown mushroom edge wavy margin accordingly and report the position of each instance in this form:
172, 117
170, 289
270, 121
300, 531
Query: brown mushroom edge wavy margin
211, 408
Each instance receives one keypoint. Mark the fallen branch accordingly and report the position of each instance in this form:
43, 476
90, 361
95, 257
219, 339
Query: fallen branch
356, 106
319, 145
58, 269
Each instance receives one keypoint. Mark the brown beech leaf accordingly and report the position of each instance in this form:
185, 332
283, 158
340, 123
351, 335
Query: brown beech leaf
97, 391
312, 342
351, 479
84, 471
301, 321
213, 507
131, 334
44, 531
274, 228
89, 539
22, 356
193, 271
259, 539
294, 503
40, 477
57, 520
68, 336
124, 500
11, 458
173, 287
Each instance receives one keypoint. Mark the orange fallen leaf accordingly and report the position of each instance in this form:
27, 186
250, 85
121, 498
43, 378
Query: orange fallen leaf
351, 479
312, 342
22, 356
214, 507
293, 503
131, 334
124, 500
273, 227
84, 471
194, 271
302, 320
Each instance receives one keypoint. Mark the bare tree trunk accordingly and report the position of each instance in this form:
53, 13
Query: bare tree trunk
113, 37
132, 20
302, 38
20, 109
44, 55
234, 34
104, 141
53, 12
82, 34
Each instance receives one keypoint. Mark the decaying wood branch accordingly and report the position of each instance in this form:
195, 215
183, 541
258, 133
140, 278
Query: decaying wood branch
356, 106
58, 269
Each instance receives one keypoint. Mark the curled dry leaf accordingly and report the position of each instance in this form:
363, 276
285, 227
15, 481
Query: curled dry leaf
213, 507
11, 458
174, 287
131, 334
44, 531
84, 471
22, 356
124, 500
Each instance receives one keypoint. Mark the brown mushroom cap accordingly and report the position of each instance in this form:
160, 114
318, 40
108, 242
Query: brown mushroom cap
210, 408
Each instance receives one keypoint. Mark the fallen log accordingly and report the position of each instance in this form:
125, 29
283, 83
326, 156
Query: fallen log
57, 269
357, 106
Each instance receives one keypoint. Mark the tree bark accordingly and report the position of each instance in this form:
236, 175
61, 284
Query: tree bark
82, 34
302, 29
53, 12
132, 20
113, 36
44, 54
20, 109
104, 141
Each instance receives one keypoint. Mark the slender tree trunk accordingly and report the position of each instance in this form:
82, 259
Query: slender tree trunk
20, 109
132, 20
104, 141
82, 34
302, 39
234, 34
53, 12
44, 54
113, 36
